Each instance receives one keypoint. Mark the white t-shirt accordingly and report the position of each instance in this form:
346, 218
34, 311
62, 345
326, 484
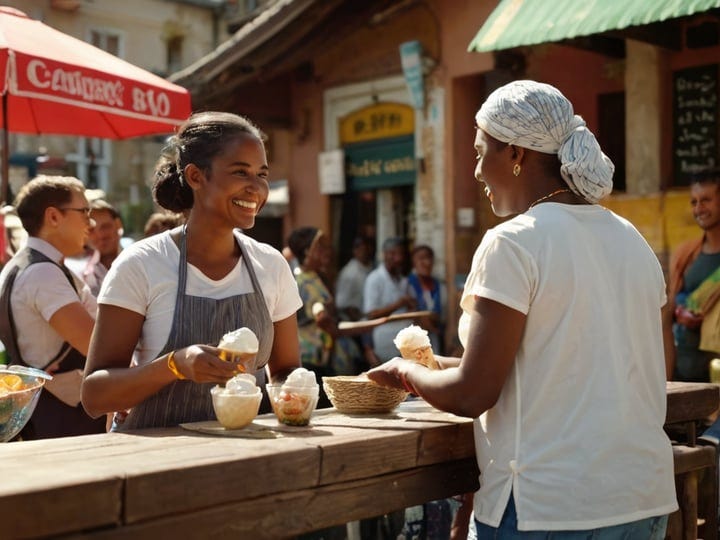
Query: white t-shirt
144, 279
381, 290
350, 283
577, 433
38, 292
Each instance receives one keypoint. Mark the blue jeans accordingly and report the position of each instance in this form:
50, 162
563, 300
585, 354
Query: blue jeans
645, 529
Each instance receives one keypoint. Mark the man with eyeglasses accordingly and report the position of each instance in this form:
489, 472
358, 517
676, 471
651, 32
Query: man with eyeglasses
46, 312
104, 245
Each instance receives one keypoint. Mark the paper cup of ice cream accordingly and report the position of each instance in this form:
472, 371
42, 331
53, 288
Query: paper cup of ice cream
414, 344
236, 405
294, 401
240, 347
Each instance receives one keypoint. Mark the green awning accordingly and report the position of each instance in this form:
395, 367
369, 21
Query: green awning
515, 23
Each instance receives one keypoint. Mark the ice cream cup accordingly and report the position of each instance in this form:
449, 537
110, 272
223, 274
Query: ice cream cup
422, 355
293, 405
235, 411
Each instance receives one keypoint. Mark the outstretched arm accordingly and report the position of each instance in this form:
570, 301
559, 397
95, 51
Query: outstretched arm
473, 386
110, 384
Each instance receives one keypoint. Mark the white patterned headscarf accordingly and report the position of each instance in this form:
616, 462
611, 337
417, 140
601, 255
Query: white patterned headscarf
537, 116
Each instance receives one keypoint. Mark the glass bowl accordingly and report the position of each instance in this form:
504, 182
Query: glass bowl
20, 389
293, 406
235, 411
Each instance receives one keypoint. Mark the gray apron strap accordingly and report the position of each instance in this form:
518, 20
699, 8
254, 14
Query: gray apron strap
203, 320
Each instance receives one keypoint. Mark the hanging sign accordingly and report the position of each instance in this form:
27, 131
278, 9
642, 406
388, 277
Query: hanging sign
379, 121
331, 167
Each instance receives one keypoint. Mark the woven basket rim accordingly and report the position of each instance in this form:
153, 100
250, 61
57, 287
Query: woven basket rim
361, 395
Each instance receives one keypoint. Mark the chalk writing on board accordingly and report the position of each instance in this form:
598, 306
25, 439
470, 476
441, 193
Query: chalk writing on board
695, 115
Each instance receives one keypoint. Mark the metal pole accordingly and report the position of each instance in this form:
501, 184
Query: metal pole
5, 183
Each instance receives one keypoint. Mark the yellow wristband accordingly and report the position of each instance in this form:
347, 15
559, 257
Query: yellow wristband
172, 366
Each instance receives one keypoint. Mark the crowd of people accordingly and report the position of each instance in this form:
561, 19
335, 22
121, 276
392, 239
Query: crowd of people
566, 318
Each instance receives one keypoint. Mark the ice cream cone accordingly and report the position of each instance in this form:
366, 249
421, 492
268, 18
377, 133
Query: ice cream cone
239, 347
422, 355
236, 358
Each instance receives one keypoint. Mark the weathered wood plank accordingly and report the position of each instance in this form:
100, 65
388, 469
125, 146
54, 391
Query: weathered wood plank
291, 513
454, 441
51, 512
363, 453
244, 474
691, 401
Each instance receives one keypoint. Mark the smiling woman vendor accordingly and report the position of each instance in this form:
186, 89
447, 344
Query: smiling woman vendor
176, 292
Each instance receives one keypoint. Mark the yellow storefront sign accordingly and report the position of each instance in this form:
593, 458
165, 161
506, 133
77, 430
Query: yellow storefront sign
379, 121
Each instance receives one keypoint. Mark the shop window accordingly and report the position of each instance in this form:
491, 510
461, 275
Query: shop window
107, 40
92, 162
174, 54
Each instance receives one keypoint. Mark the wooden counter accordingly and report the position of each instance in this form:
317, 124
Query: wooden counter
179, 483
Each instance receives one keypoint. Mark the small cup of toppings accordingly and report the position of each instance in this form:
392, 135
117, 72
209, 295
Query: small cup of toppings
294, 401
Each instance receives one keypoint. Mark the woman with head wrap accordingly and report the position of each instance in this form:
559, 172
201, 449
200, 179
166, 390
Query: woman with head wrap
563, 365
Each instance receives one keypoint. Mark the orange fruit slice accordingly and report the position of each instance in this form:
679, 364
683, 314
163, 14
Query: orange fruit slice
11, 381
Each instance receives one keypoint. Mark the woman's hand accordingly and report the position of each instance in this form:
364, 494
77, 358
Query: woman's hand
202, 363
325, 321
407, 302
393, 374
687, 318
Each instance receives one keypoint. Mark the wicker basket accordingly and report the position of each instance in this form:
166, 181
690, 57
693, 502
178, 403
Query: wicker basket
359, 395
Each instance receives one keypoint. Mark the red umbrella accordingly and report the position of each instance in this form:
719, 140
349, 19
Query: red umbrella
56, 84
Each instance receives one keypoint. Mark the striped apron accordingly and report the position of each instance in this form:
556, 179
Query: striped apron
199, 320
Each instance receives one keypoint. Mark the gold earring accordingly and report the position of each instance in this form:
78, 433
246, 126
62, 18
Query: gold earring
516, 169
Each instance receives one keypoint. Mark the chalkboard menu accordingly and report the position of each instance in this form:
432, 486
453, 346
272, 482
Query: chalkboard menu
695, 121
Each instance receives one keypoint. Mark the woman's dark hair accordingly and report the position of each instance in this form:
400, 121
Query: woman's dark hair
202, 137
423, 247
300, 240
